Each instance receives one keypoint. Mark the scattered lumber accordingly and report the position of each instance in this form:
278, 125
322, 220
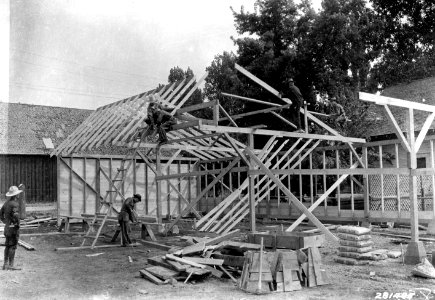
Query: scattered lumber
205, 261
425, 239
184, 261
155, 245
26, 245
151, 277
161, 272
41, 220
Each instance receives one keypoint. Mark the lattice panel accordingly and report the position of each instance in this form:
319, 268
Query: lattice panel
391, 204
424, 192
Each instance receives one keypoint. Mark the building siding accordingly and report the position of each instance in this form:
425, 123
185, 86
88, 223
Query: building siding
36, 172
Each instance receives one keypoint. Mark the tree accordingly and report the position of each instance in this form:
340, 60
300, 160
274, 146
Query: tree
177, 74
407, 42
344, 43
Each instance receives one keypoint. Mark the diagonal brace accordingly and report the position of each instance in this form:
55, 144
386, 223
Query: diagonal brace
292, 198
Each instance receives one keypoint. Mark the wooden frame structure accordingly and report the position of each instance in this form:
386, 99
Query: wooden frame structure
415, 251
207, 140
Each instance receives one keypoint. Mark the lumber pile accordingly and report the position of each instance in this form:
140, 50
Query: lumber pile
217, 257
288, 240
282, 271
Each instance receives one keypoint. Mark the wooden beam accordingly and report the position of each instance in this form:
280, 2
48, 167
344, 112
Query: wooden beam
382, 100
172, 102
157, 174
227, 115
196, 107
321, 199
360, 171
250, 99
81, 178
203, 192
193, 89
397, 129
256, 112
198, 137
277, 133
423, 131
259, 82
292, 198
283, 119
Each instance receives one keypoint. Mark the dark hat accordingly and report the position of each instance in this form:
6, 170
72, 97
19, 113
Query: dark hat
138, 197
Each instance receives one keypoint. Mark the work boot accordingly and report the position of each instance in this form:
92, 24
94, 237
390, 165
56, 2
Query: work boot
11, 260
12, 267
5, 266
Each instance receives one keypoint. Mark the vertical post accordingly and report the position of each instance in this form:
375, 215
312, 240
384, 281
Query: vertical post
311, 179
134, 175
381, 165
324, 181
214, 189
415, 250
352, 198
145, 168
110, 176
399, 204
431, 225
158, 188
306, 117
206, 184
98, 183
70, 181
84, 184
58, 161
432, 165
198, 188
366, 185
168, 193
301, 192
251, 189
338, 196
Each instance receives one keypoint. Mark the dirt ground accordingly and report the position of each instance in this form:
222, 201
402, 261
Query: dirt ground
50, 274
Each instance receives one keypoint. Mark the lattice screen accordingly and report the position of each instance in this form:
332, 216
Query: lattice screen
424, 192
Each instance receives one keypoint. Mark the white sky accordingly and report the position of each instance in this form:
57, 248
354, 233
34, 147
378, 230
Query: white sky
88, 53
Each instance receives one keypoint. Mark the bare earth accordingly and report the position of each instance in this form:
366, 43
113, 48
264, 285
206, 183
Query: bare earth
50, 274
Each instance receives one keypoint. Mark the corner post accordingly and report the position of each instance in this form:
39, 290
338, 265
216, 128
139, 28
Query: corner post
251, 189
415, 250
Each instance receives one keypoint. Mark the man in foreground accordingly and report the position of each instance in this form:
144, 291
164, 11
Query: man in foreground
9, 214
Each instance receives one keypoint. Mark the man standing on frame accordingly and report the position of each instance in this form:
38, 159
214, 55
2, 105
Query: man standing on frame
9, 214
294, 94
159, 119
126, 215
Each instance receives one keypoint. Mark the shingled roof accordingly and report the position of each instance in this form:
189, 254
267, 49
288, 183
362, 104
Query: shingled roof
23, 126
422, 91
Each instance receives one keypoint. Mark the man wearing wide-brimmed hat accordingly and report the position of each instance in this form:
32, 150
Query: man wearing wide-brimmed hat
9, 214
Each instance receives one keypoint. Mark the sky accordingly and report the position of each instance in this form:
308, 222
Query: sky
88, 53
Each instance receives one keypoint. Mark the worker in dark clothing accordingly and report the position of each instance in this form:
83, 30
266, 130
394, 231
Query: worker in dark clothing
294, 94
126, 215
159, 119
9, 214
337, 110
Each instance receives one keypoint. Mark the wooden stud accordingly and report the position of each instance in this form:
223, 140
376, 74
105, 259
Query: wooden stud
295, 201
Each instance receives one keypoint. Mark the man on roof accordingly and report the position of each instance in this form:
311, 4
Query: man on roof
293, 93
159, 119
